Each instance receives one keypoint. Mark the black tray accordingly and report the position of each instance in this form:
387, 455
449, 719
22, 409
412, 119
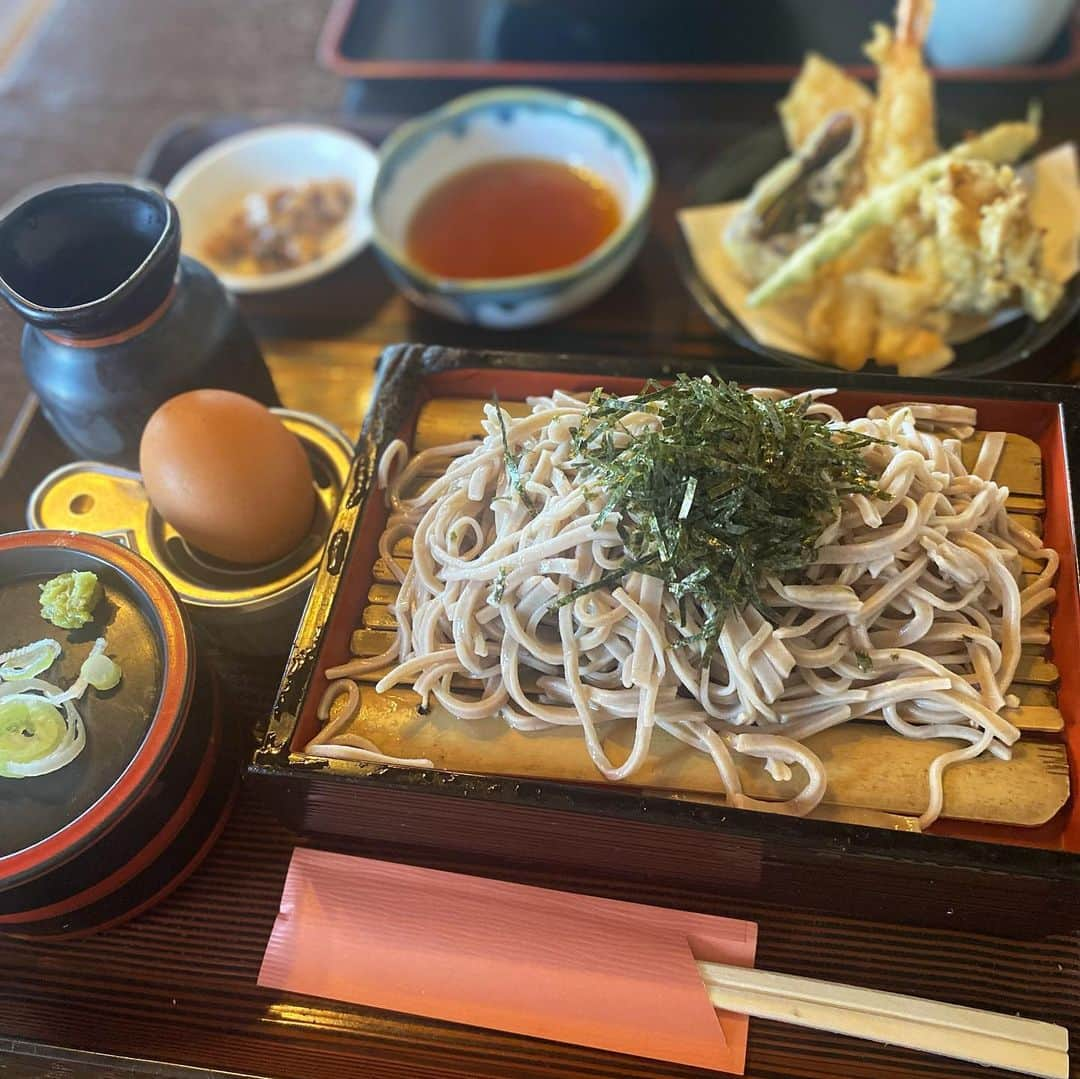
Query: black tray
624, 40
868, 872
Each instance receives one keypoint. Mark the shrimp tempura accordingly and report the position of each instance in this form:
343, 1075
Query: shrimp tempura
902, 125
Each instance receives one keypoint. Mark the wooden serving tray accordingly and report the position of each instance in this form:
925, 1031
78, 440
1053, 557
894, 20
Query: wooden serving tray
759, 43
480, 803
176, 988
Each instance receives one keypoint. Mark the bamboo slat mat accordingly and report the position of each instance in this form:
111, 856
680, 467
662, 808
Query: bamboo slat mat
870, 768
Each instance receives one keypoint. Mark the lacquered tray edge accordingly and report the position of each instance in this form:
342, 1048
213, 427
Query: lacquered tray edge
331, 55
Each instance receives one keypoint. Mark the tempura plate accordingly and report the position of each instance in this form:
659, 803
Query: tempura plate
734, 172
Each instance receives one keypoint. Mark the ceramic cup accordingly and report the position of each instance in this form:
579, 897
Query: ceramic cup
970, 33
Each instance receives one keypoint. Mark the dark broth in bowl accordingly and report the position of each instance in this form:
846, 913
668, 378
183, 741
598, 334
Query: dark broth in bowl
510, 217
116, 720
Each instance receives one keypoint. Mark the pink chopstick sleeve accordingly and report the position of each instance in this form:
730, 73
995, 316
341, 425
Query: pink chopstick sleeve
572, 968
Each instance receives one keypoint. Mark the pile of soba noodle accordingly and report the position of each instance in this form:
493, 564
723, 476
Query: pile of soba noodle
912, 609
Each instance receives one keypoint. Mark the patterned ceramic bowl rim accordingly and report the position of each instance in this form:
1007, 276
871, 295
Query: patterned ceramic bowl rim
424, 127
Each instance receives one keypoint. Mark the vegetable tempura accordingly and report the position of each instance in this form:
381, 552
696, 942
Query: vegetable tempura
886, 239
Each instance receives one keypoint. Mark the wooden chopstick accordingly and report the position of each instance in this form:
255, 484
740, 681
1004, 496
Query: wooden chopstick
980, 1037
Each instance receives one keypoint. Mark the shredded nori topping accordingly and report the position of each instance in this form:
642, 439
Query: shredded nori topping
513, 466
727, 490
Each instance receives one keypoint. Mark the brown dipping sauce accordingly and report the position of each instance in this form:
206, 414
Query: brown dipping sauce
511, 217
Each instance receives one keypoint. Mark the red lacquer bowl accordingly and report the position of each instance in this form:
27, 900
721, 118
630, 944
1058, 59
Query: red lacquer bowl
106, 836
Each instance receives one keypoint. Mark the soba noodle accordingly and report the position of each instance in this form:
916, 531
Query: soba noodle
912, 611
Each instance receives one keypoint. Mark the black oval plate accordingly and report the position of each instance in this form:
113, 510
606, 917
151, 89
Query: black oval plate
733, 174
116, 721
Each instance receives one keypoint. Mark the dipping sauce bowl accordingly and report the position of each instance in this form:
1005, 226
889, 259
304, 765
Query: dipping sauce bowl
496, 125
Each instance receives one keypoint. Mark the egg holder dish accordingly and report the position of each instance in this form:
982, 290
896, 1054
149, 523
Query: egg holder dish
250, 610
119, 827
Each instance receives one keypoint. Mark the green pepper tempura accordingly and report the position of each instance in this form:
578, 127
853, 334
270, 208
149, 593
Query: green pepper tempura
68, 601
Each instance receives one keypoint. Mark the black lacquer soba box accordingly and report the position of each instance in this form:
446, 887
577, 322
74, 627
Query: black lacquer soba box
990, 877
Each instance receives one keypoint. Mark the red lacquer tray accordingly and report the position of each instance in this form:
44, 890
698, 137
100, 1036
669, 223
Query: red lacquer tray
1035, 873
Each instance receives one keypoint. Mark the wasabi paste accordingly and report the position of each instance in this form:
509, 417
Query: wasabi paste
68, 601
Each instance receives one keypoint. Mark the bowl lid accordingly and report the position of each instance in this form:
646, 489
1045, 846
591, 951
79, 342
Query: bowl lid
130, 730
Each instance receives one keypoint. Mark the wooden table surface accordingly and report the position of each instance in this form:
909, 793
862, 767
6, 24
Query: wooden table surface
90, 92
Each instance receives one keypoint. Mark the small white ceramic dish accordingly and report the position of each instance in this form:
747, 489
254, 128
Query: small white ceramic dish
500, 123
210, 186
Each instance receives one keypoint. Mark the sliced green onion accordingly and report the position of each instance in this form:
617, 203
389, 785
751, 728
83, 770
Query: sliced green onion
77, 688
41, 731
29, 660
30, 728
35, 736
100, 670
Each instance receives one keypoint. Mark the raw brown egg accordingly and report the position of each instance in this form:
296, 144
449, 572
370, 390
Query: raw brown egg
228, 475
